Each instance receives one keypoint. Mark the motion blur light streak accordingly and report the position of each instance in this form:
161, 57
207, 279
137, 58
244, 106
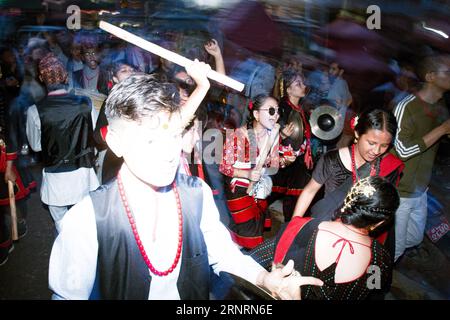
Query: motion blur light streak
439, 32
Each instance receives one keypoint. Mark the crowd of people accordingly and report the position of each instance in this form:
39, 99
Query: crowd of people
168, 182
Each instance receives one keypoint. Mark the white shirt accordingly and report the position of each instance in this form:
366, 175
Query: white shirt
73, 259
340, 94
62, 188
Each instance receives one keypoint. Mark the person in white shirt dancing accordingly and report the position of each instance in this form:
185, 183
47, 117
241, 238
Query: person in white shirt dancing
152, 233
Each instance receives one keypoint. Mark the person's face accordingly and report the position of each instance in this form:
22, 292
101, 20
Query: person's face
267, 115
191, 137
37, 54
124, 72
151, 149
441, 77
233, 119
90, 58
75, 51
373, 144
334, 69
297, 88
186, 80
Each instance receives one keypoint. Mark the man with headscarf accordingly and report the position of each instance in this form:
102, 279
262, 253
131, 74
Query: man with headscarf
60, 126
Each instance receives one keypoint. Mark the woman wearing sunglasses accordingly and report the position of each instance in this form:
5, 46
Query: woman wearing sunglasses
288, 183
241, 151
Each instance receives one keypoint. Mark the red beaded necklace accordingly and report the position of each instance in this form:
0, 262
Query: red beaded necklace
355, 177
136, 234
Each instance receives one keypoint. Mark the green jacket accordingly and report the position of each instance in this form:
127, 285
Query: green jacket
415, 119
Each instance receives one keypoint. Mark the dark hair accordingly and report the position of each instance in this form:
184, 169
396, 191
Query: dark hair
87, 46
171, 74
377, 119
115, 66
288, 77
365, 210
429, 64
140, 95
257, 103
200, 115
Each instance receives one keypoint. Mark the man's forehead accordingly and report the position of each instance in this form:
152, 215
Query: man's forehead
158, 123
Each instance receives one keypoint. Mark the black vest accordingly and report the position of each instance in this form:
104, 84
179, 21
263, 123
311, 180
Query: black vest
66, 133
122, 272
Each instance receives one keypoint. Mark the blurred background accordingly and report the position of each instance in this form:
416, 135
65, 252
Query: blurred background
375, 51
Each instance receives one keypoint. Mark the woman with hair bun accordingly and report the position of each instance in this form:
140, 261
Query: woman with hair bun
342, 253
339, 169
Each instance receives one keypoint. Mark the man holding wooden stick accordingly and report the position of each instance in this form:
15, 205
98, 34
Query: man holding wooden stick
152, 233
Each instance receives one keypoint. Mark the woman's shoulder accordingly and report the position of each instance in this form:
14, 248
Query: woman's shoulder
334, 156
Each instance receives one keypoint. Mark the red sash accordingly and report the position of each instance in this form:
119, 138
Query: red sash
388, 164
288, 236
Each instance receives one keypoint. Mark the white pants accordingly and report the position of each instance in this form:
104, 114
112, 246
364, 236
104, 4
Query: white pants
410, 220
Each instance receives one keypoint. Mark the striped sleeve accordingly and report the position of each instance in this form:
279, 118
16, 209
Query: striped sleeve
406, 143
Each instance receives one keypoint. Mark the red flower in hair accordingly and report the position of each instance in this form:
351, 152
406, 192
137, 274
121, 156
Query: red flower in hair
354, 122
250, 105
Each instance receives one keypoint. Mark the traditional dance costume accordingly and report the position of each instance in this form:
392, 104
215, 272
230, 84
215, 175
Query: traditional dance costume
289, 182
297, 241
248, 213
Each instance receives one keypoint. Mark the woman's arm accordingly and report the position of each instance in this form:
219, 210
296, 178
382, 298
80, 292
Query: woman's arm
197, 71
306, 197
212, 47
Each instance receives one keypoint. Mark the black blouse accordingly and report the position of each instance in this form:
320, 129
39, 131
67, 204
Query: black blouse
331, 172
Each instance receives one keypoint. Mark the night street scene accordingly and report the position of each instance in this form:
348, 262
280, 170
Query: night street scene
252, 150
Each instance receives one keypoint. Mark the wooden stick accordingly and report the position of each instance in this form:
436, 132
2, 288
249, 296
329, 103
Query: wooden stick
12, 205
166, 54
265, 152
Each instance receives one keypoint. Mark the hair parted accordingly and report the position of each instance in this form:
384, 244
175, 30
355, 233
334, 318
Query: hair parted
377, 119
141, 95
287, 78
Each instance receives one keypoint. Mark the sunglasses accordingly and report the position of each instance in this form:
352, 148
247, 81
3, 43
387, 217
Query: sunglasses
272, 111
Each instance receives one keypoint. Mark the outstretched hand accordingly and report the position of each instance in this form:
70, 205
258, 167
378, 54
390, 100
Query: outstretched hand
212, 47
285, 282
